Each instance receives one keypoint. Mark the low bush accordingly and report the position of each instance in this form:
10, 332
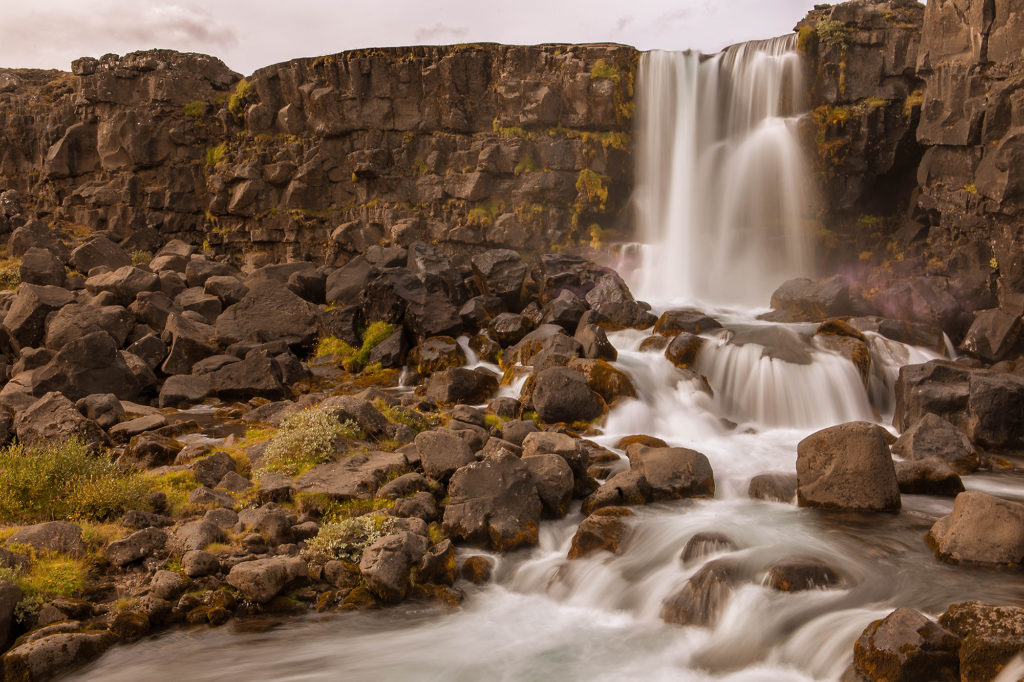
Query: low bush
304, 440
346, 539
65, 480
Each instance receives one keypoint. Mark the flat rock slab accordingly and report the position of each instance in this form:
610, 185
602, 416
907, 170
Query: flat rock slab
357, 476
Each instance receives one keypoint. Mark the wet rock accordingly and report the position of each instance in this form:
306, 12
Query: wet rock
704, 544
53, 536
672, 322
773, 487
612, 384
54, 417
495, 503
981, 529
995, 410
477, 569
932, 437
509, 328
562, 395
461, 385
906, 645
703, 596
623, 489
438, 564
928, 477
442, 452
796, 575
385, 564
847, 467
990, 637
673, 473
516, 431
805, 300
993, 336
594, 343
565, 310
604, 530
355, 476
135, 547
261, 580
554, 480
49, 655
683, 350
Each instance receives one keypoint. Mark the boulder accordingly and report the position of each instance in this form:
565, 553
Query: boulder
269, 520
152, 449
344, 284
990, 637
554, 480
355, 476
103, 408
773, 487
25, 320
123, 284
847, 467
594, 343
565, 310
493, 502
673, 322
35, 234
190, 342
46, 656
928, 477
604, 530
211, 469
981, 529
195, 535
228, 289
796, 575
906, 645
995, 410
261, 580
438, 565
436, 354
89, 364
509, 328
626, 488
442, 452
198, 564
153, 308
99, 252
805, 300
562, 395
385, 564
612, 384
257, 376
673, 473
420, 505
501, 273
10, 595
683, 350
358, 410
403, 486
135, 547
184, 390
461, 385
39, 266
54, 417
705, 544
993, 336
269, 312
477, 312
200, 269
703, 596
932, 437
52, 536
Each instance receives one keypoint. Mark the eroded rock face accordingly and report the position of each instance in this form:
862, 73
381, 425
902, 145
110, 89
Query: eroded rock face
847, 467
991, 636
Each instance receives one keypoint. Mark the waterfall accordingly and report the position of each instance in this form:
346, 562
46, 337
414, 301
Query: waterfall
721, 194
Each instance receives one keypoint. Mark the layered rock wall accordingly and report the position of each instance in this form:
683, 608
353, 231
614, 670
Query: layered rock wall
320, 158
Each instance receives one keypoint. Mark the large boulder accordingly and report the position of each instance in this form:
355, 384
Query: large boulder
554, 480
135, 547
937, 387
442, 452
436, 354
928, 477
345, 283
261, 580
501, 273
906, 645
493, 502
386, 563
701, 599
562, 395
46, 656
461, 385
626, 488
981, 529
932, 437
54, 417
612, 384
673, 473
257, 376
124, 284
89, 364
190, 342
99, 251
993, 336
806, 300
672, 322
847, 467
604, 530
39, 266
76, 320
269, 312
25, 320
355, 476
52, 536
990, 637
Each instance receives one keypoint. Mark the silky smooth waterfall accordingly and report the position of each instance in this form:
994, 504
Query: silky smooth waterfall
722, 192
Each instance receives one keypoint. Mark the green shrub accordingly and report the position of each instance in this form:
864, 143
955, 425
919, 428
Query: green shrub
604, 70
10, 273
526, 165
239, 98
833, 33
48, 575
346, 539
64, 480
351, 359
304, 440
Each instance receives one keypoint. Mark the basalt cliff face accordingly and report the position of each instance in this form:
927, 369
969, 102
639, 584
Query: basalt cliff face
916, 130
321, 158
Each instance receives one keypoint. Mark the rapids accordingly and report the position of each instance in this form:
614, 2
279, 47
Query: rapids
721, 209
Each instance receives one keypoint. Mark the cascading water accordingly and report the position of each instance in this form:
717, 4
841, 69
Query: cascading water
722, 200
721, 192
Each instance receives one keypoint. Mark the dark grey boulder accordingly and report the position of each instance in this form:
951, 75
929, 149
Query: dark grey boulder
501, 273
189, 342
89, 364
54, 417
25, 320
932, 437
103, 408
135, 547
442, 452
562, 395
52, 536
99, 251
76, 320
269, 312
673, 473
386, 563
124, 283
461, 385
39, 266
261, 580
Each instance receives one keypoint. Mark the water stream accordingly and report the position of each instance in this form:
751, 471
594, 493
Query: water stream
720, 189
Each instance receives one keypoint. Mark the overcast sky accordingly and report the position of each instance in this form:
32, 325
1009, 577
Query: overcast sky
248, 34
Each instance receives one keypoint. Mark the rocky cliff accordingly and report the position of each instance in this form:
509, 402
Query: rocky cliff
320, 158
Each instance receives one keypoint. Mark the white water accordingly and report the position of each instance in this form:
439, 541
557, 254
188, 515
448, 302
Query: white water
721, 192
545, 617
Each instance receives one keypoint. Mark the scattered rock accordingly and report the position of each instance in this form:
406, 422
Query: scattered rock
673, 473
932, 437
906, 645
990, 637
562, 395
604, 530
623, 489
135, 547
981, 529
261, 580
796, 575
53, 536
928, 477
477, 569
847, 467
442, 452
702, 597
385, 564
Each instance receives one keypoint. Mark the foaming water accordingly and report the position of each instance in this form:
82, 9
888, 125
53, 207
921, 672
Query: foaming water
721, 194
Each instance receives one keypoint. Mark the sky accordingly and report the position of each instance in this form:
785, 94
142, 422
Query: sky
248, 34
